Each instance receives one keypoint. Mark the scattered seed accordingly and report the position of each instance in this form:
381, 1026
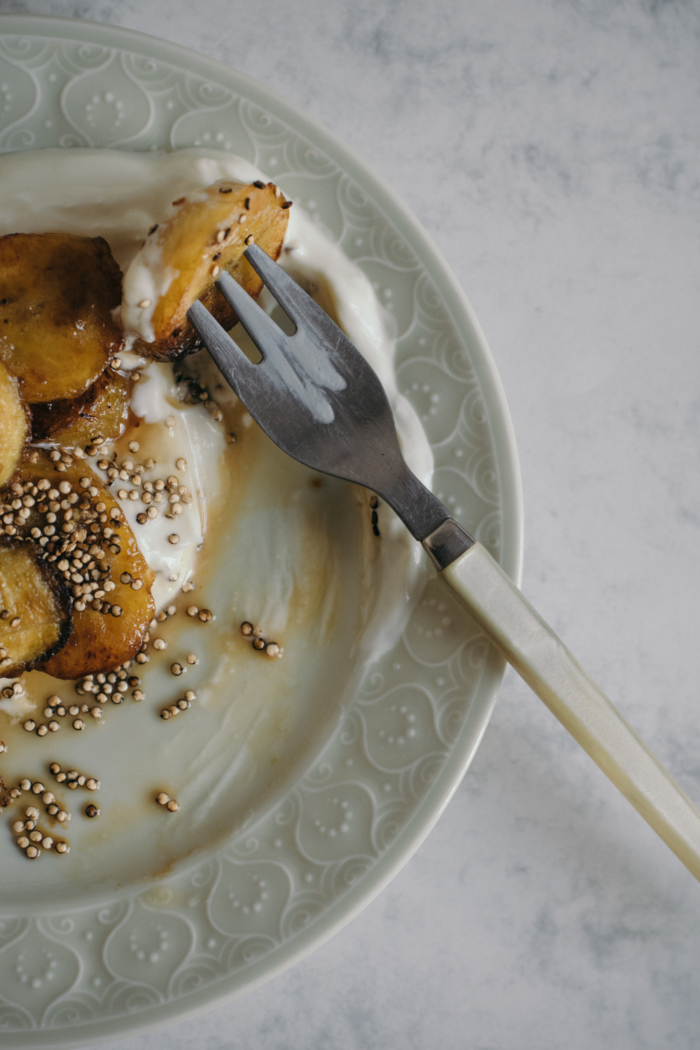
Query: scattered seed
176, 669
92, 811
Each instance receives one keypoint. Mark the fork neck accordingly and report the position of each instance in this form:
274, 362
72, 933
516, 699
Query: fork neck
427, 519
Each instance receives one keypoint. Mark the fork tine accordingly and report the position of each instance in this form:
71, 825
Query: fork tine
293, 299
261, 328
304, 311
238, 370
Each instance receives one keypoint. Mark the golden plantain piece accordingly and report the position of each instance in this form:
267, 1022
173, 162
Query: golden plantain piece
57, 293
181, 258
34, 609
13, 424
85, 536
102, 410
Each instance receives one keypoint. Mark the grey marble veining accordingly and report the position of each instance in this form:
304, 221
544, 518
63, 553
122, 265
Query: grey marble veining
552, 150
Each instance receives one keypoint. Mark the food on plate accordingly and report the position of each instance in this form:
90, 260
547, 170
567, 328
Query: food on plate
57, 297
190, 555
203, 234
60, 293
35, 608
102, 409
13, 424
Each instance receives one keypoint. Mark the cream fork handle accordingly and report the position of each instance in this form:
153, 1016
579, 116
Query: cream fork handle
548, 667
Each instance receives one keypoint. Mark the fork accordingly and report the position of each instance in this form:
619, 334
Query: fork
317, 398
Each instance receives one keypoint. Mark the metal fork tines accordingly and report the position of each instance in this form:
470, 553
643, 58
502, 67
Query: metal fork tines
315, 395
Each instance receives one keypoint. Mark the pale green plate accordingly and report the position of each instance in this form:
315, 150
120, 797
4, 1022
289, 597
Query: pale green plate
113, 962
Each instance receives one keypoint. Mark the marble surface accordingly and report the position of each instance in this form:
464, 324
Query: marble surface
551, 149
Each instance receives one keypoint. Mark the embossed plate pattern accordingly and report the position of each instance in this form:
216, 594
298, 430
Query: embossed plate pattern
84, 973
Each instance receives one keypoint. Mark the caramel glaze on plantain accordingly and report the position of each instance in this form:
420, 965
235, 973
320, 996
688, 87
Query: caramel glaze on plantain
102, 409
57, 294
205, 234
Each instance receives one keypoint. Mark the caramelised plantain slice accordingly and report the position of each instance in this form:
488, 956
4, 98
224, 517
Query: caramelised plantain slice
57, 291
13, 425
35, 609
182, 257
102, 410
92, 547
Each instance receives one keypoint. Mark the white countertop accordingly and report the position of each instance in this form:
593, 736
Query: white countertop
552, 152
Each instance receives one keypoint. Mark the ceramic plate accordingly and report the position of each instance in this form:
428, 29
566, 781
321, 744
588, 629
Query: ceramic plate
98, 962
